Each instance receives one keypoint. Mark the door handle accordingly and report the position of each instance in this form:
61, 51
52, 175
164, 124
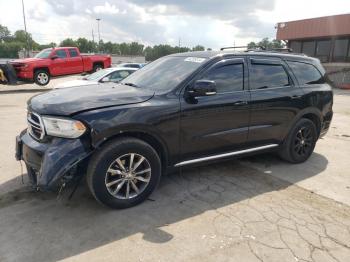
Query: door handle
296, 96
239, 103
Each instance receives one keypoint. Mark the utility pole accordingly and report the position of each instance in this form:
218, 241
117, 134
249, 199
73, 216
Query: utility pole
99, 36
179, 41
25, 30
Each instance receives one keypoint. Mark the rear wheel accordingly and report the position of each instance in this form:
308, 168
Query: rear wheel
42, 77
300, 142
124, 173
97, 67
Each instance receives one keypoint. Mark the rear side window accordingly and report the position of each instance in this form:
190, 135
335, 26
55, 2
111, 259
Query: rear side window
306, 74
73, 53
268, 76
228, 78
61, 53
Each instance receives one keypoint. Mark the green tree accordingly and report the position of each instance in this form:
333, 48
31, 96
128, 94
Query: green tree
68, 42
198, 48
266, 44
4, 33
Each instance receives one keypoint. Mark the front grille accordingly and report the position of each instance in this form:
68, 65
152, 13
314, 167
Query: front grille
35, 126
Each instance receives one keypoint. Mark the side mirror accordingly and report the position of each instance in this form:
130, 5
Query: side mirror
105, 79
54, 57
203, 88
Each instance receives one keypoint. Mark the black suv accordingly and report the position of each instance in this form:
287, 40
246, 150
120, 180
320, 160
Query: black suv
179, 110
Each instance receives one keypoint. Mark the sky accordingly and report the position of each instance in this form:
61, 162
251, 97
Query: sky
213, 24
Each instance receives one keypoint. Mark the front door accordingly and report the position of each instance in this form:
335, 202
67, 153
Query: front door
59, 64
217, 123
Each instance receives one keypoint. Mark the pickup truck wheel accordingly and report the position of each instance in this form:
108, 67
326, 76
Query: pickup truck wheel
300, 142
41, 77
97, 67
124, 173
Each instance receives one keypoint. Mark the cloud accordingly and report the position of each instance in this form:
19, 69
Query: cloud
203, 22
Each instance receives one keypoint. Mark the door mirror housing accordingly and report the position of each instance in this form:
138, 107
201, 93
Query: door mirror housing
54, 57
203, 88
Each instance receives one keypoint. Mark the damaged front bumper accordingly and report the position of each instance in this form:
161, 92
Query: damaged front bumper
52, 161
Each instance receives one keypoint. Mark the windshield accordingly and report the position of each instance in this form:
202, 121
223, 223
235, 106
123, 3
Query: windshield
44, 53
97, 75
165, 73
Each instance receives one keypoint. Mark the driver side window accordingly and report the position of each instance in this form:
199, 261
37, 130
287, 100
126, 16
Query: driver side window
118, 75
228, 77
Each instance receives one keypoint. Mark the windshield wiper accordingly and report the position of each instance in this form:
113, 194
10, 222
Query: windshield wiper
130, 84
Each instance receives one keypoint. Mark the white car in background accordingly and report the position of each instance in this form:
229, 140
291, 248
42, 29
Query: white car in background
133, 65
112, 74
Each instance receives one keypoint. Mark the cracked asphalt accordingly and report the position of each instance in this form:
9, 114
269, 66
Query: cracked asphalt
252, 209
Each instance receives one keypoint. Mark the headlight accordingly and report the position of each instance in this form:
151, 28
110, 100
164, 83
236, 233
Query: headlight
63, 127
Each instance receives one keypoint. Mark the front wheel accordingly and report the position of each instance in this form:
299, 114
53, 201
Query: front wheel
300, 142
41, 77
124, 173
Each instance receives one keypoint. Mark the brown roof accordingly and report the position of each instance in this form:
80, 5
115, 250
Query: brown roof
315, 27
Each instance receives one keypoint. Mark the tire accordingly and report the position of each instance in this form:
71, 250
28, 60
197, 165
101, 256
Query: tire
97, 67
41, 77
104, 169
300, 142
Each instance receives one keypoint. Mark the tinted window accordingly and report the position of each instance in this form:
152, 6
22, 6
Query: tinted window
73, 53
228, 78
309, 48
267, 76
296, 46
306, 74
61, 53
340, 49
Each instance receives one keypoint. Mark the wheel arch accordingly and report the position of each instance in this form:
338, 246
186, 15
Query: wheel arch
146, 136
312, 114
98, 63
41, 68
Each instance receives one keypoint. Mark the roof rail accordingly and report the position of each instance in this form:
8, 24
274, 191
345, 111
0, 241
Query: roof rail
237, 47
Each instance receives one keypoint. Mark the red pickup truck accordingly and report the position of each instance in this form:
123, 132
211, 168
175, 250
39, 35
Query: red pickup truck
57, 62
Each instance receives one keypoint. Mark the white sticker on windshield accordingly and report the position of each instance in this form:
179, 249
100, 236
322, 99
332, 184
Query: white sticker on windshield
194, 59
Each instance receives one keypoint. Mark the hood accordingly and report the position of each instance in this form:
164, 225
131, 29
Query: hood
68, 101
74, 83
26, 60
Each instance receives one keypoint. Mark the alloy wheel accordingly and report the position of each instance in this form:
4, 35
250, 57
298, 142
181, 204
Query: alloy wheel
128, 176
42, 78
303, 141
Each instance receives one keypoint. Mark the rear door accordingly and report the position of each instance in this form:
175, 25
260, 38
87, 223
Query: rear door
74, 62
218, 123
275, 100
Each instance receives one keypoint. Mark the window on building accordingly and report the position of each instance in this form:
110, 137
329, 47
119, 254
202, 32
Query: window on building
309, 48
61, 53
306, 74
228, 78
73, 53
268, 76
296, 46
340, 49
323, 50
